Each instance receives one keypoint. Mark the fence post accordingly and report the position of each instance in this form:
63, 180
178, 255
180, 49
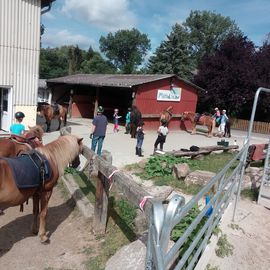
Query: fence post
102, 197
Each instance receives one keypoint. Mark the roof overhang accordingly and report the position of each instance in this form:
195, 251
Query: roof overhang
46, 3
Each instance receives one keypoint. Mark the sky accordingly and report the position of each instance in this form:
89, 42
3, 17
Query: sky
83, 22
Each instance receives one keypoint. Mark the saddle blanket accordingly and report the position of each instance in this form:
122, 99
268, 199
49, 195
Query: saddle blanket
26, 169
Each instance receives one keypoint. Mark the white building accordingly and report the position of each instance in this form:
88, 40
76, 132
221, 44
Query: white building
19, 58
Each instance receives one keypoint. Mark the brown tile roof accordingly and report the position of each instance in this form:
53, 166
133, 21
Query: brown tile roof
114, 80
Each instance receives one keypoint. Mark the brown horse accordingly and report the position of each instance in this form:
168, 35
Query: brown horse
166, 114
197, 119
50, 112
59, 154
13, 145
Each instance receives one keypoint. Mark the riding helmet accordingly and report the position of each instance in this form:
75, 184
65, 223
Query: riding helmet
100, 109
163, 121
19, 115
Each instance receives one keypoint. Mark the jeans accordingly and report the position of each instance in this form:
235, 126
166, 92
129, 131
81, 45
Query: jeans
97, 140
139, 142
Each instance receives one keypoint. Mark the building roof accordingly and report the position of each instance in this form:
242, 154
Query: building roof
115, 80
45, 3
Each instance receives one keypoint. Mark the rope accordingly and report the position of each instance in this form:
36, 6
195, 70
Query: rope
110, 178
143, 202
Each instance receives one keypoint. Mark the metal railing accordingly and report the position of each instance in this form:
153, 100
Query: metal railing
165, 217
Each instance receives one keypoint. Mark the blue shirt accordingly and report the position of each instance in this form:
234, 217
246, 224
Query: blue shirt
100, 122
17, 128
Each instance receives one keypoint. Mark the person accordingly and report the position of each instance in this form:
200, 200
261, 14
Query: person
99, 128
223, 119
140, 138
135, 118
115, 120
18, 128
127, 125
216, 120
162, 133
227, 132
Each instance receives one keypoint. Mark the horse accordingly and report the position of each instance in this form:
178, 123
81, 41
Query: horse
50, 112
57, 154
12, 145
166, 114
197, 119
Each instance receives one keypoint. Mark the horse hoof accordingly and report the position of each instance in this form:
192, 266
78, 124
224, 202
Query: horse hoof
44, 239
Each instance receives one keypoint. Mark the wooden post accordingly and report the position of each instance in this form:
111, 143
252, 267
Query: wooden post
102, 198
101, 205
96, 101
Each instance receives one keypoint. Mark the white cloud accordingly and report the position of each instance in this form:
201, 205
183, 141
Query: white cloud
56, 38
107, 14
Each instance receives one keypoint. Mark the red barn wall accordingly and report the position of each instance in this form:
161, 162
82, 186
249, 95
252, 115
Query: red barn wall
146, 100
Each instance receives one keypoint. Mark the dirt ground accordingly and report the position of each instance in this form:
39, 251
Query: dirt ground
69, 234
250, 237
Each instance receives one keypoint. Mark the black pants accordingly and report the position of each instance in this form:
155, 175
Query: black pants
160, 141
133, 128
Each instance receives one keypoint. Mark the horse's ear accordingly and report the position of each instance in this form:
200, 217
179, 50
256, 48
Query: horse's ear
80, 140
29, 127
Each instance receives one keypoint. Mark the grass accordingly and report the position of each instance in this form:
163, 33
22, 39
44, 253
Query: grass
224, 248
120, 226
251, 194
213, 163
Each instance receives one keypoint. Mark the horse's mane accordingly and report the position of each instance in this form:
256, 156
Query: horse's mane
61, 151
37, 131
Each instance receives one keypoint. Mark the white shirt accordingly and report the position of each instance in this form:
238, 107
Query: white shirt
163, 130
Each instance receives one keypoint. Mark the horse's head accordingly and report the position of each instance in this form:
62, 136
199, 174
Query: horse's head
37, 131
184, 116
76, 161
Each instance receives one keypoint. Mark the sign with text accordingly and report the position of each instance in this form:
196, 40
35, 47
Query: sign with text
169, 95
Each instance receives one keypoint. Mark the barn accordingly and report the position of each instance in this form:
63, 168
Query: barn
151, 93
19, 58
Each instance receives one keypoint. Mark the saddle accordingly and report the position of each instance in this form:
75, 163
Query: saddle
30, 170
56, 109
30, 139
197, 117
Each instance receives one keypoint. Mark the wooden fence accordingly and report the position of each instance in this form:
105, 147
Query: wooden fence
258, 127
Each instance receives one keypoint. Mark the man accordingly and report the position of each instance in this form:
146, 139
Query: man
99, 128
223, 119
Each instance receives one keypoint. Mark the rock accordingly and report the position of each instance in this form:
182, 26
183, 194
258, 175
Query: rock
140, 222
159, 191
142, 163
129, 257
199, 178
180, 170
246, 182
199, 157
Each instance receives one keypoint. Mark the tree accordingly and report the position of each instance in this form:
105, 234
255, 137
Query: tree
125, 49
53, 62
263, 80
229, 78
96, 64
173, 55
207, 30
74, 59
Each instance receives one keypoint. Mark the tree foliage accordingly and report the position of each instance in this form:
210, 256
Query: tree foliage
207, 30
66, 60
125, 49
173, 55
228, 77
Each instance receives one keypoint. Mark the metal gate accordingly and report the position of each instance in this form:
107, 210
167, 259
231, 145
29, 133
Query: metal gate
163, 254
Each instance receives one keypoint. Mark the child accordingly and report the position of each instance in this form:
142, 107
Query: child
162, 133
128, 121
18, 128
140, 138
115, 120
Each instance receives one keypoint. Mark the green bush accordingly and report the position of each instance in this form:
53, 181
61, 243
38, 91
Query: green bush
161, 165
